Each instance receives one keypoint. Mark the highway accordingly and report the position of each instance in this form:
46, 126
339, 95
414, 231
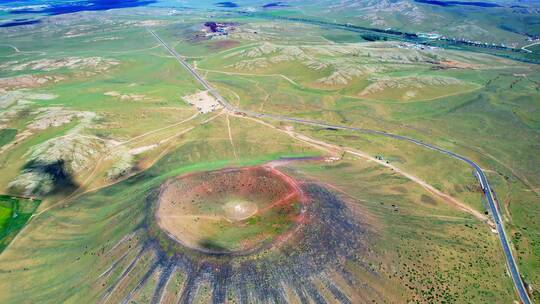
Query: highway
481, 176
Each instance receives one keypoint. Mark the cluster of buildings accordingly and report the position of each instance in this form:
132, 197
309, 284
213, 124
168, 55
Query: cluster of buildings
213, 29
435, 36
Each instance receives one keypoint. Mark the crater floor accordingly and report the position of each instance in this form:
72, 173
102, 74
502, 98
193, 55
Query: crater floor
231, 210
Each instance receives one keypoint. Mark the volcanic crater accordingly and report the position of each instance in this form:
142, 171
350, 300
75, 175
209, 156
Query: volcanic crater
230, 211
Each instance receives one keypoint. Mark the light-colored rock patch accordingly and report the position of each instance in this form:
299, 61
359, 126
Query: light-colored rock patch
13, 102
346, 72
56, 116
126, 97
9, 98
267, 54
123, 165
75, 151
32, 183
384, 83
94, 63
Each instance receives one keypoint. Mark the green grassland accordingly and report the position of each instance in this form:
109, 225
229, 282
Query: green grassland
230, 236
11, 162
499, 101
534, 48
7, 135
119, 210
488, 115
162, 87
502, 24
442, 254
98, 220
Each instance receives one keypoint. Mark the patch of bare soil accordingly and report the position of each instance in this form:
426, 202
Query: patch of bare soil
238, 210
223, 44
28, 81
203, 101
452, 64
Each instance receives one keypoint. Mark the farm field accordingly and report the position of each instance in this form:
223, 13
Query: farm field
14, 213
256, 152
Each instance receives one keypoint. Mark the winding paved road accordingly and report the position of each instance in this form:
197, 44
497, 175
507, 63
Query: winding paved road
510, 261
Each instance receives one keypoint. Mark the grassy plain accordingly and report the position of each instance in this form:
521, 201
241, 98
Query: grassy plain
424, 249
494, 98
7, 135
432, 251
120, 209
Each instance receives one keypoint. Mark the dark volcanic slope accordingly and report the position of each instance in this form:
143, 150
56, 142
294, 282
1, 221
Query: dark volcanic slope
318, 263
